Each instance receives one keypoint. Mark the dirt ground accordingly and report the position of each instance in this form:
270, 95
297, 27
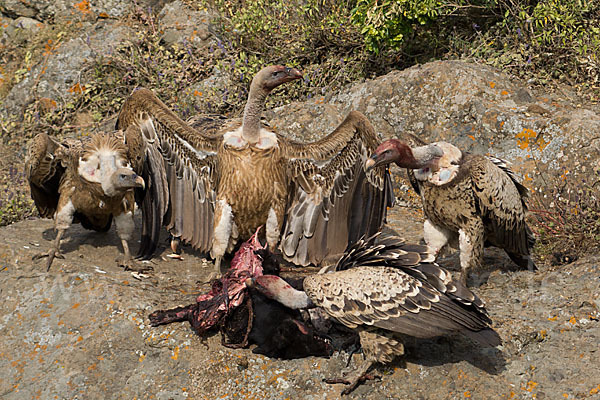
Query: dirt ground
81, 331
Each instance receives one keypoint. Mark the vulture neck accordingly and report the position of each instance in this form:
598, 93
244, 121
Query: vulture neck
294, 299
279, 290
252, 112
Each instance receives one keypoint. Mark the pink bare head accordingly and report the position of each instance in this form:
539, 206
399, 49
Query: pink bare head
394, 150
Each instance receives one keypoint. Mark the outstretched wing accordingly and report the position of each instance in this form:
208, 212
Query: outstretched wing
44, 170
333, 201
502, 202
386, 285
177, 162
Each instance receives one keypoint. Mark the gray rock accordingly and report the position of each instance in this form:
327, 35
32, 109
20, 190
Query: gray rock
62, 10
21, 30
81, 331
185, 27
57, 77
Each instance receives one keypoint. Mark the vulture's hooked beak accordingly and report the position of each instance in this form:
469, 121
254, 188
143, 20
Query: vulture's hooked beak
374, 161
293, 73
139, 182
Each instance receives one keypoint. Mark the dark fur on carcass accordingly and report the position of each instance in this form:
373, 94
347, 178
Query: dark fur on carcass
246, 316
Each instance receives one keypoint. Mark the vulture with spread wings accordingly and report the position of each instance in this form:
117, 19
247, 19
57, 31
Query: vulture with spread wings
89, 181
383, 288
213, 184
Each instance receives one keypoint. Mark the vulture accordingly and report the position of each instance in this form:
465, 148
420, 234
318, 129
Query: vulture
89, 181
471, 199
213, 184
383, 288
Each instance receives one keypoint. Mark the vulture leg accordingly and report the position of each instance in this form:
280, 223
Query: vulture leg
470, 242
53, 252
223, 226
125, 225
435, 236
356, 378
176, 251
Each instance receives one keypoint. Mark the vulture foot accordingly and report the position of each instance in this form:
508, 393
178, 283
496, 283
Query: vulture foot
176, 251
51, 254
359, 376
130, 265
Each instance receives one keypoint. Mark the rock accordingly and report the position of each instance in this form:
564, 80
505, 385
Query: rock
184, 26
21, 30
57, 77
66, 10
83, 328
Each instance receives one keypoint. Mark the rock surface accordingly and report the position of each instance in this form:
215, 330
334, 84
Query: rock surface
82, 331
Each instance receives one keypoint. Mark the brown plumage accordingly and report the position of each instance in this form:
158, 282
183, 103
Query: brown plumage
215, 184
87, 181
382, 289
473, 199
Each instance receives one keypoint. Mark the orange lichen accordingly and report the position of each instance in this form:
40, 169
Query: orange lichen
525, 138
492, 85
175, 355
504, 93
573, 320
197, 93
467, 394
83, 7
76, 88
530, 386
552, 318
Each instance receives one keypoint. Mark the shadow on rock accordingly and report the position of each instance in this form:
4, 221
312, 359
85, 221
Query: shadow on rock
451, 350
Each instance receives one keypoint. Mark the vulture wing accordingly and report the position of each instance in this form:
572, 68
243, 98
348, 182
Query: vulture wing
379, 285
501, 200
178, 163
44, 169
333, 201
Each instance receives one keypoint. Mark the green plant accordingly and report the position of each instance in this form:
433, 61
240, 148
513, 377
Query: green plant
384, 24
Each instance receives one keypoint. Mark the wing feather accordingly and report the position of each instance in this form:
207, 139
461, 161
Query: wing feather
44, 170
179, 163
502, 201
333, 200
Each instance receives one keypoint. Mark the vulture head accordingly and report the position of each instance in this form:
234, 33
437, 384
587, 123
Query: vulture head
394, 150
272, 76
122, 180
446, 167
104, 161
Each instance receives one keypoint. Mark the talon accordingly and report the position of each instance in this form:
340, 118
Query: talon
131, 265
51, 254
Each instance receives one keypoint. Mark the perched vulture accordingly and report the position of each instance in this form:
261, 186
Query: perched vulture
214, 185
89, 181
246, 317
471, 198
384, 289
